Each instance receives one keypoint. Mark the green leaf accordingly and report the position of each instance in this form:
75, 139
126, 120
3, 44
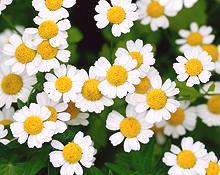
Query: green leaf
21, 104
75, 35
12, 169
211, 88
93, 171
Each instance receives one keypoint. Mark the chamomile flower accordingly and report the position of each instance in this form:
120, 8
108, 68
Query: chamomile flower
63, 84
32, 125
3, 134
143, 87
72, 156
14, 86
158, 101
190, 159
53, 8
58, 114
121, 14
6, 116
138, 51
194, 67
179, 4
3, 4
159, 134
195, 37
76, 116
155, 13
120, 78
182, 120
21, 57
214, 165
210, 112
132, 129
90, 98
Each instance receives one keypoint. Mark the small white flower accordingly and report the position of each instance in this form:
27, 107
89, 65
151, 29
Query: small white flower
32, 125
6, 116
195, 37
190, 159
179, 4
214, 165
133, 128
158, 102
71, 157
155, 13
3, 134
121, 14
158, 132
194, 67
3, 4
120, 78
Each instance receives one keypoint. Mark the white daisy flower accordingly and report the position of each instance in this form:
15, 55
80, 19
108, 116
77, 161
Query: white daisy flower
53, 8
158, 132
158, 102
121, 14
76, 116
55, 31
120, 78
32, 125
138, 51
6, 116
195, 37
210, 112
3, 134
72, 156
3, 4
63, 84
214, 165
133, 128
143, 87
58, 114
194, 67
14, 86
21, 57
155, 13
90, 98
182, 120
179, 4
190, 159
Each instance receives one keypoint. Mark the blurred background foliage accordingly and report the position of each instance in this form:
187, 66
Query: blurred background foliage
87, 44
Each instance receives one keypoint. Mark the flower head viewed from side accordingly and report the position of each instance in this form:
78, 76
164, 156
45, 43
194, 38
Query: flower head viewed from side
3, 134
6, 116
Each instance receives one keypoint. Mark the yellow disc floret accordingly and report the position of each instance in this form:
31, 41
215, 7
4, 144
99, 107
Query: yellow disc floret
156, 99
157, 130
130, 127
186, 159
90, 90
53, 4
212, 51
116, 15
6, 122
177, 117
63, 84
72, 153
143, 86
12, 84
214, 104
24, 54
46, 51
72, 110
117, 75
194, 67
48, 29
33, 125
155, 9
194, 39
138, 57
53, 115
213, 169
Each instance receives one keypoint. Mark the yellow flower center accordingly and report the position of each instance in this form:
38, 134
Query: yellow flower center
213, 169
72, 153
90, 90
138, 57
12, 84
33, 125
46, 51
214, 104
53, 115
53, 4
177, 117
186, 159
24, 54
194, 67
117, 75
156, 99
6, 122
130, 127
194, 39
155, 9
157, 130
72, 110
48, 29
212, 51
63, 84
116, 15
143, 86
